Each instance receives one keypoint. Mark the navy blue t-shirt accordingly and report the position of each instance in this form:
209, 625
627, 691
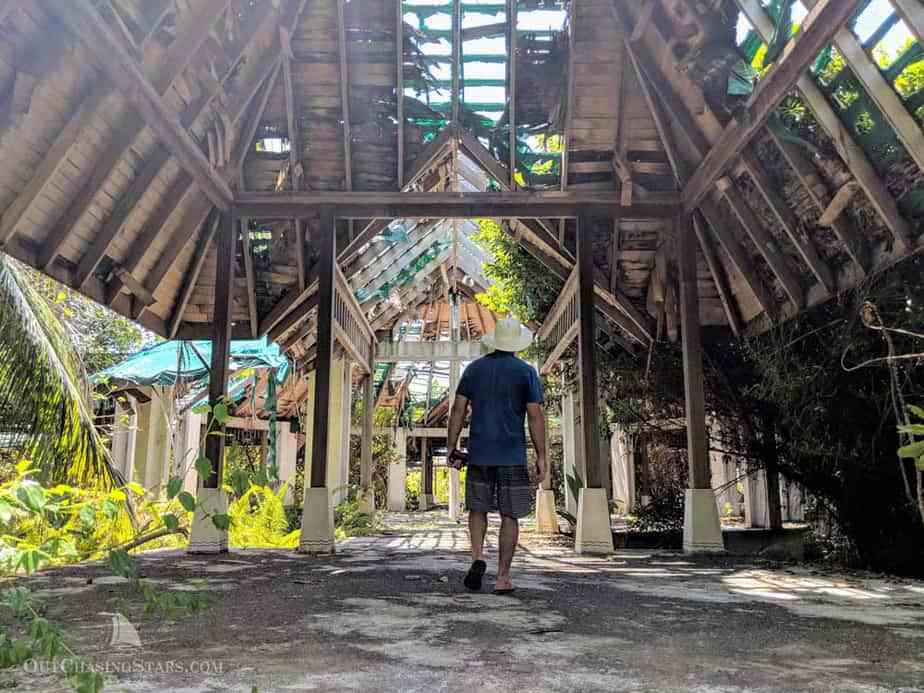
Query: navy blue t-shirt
499, 386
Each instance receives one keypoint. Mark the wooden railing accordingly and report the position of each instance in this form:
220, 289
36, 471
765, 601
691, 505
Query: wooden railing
350, 326
562, 324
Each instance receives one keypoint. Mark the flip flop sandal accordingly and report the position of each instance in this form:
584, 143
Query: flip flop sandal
475, 573
507, 587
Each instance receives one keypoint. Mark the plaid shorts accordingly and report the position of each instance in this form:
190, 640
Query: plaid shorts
503, 489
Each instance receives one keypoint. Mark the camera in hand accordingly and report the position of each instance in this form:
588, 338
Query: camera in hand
458, 459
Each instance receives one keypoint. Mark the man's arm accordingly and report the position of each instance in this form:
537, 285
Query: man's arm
536, 417
456, 419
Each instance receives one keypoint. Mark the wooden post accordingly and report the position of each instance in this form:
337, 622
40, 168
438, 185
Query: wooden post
366, 492
426, 473
697, 442
221, 344
701, 529
325, 347
588, 364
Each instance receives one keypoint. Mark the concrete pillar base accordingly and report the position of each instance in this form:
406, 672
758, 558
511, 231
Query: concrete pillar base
317, 523
546, 518
204, 536
593, 533
702, 532
455, 507
426, 501
366, 501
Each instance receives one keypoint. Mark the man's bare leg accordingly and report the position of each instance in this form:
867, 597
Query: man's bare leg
477, 528
509, 535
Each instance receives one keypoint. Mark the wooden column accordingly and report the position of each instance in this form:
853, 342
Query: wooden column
426, 468
693, 383
365, 470
221, 343
586, 357
325, 347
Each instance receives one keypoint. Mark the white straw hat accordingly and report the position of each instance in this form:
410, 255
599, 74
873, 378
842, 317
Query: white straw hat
508, 335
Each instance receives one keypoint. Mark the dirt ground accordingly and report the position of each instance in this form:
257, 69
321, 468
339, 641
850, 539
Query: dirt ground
390, 613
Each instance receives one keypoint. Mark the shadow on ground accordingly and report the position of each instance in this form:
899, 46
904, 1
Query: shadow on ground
389, 613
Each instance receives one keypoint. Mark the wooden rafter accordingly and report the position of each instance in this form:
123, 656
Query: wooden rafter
345, 97
249, 276
853, 155
764, 243
912, 11
818, 192
719, 278
166, 207
82, 18
172, 201
249, 131
456, 96
191, 38
447, 205
512, 89
192, 276
827, 17
885, 96
399, 86
789, 223
659, 99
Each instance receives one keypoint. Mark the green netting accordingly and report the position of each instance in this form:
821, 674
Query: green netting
167, 363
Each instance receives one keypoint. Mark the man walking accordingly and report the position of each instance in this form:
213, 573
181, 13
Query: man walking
503, 392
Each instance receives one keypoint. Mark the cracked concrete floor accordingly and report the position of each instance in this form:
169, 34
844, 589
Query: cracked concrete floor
389, 613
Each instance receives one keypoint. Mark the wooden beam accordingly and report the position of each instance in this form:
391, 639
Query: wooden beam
249, 131
566, 134
586, 356
221, 348
448, 205
737, 254
887, 99
657, 95
644, 19
247, 253
512, 89
325, 346
399, 86
693, 380
192, 276
818, 192
789, 223
15, 214
853, 155
113, 224
455, 95
345, 97
719, 278
82, 18
818, 28
171, 201
764, 243
912, 11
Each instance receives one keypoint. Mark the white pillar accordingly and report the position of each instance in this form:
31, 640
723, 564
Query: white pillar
286, 451
153, 439
336, 484
623, 460
756, 509
124, 435
397, 475
188, 449
569, 448
345, 425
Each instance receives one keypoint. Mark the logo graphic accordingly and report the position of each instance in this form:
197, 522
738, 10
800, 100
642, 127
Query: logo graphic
124, 636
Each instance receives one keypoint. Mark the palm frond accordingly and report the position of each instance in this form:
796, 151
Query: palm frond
44, 398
